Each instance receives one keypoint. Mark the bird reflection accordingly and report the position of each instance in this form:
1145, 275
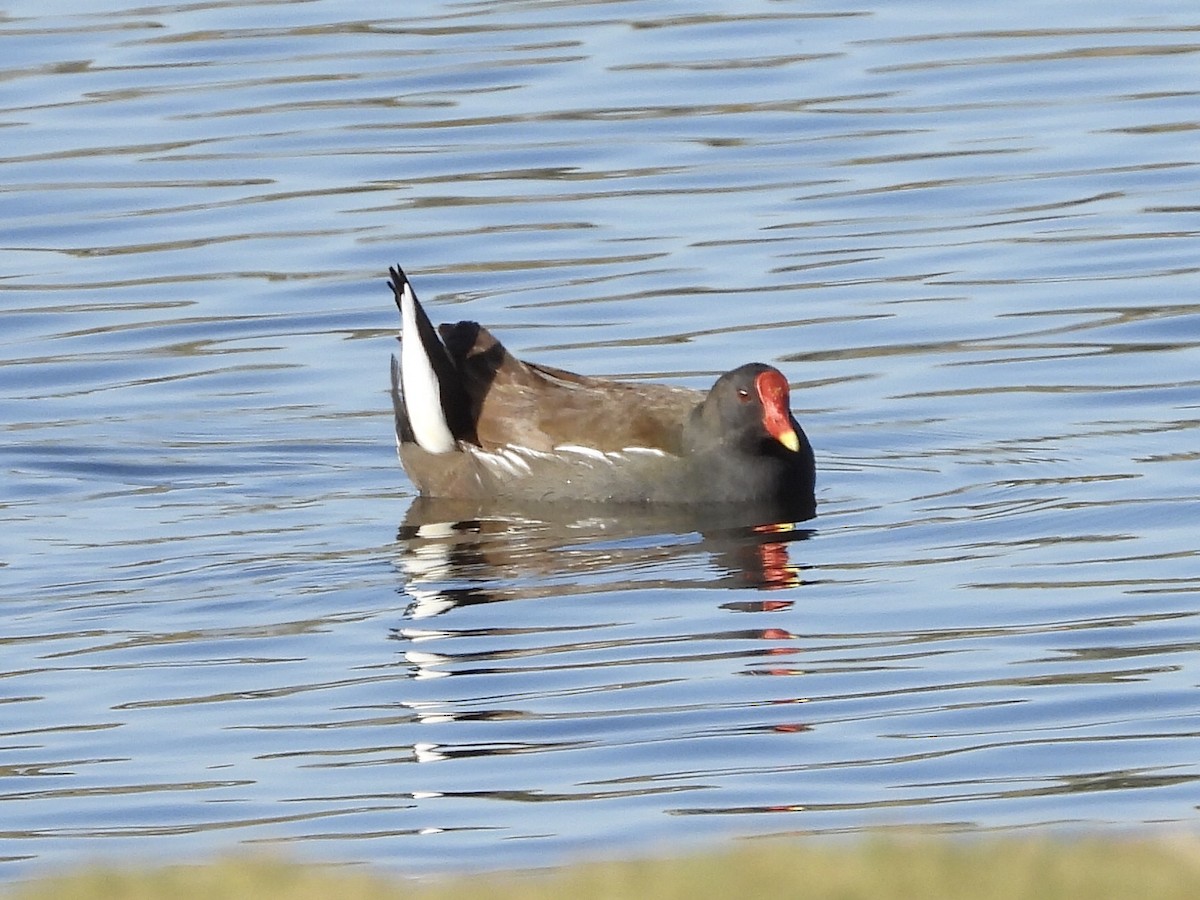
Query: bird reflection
458, 553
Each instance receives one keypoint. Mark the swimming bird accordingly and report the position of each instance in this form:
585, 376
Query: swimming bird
474, 422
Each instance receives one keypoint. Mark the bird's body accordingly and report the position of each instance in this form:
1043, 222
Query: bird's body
474, 422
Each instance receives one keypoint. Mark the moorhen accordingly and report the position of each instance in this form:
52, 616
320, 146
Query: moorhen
475, 422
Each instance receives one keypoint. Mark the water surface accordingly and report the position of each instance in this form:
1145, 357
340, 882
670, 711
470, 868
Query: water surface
967, 235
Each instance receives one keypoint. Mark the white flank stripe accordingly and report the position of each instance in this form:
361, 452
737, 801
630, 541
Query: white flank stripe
522, 452
643, 451
590, 452
422, 398
499, 464
507, 460
515, 460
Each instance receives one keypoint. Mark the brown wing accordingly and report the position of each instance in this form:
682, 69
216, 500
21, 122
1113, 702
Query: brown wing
540, 407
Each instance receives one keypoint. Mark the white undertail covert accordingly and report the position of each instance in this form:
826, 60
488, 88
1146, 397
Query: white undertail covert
422, 395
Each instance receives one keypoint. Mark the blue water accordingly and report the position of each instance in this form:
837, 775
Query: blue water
969, 237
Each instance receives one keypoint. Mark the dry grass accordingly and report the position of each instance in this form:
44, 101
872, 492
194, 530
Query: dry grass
891, 869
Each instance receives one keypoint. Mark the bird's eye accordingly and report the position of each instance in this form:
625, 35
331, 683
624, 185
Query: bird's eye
743, 394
